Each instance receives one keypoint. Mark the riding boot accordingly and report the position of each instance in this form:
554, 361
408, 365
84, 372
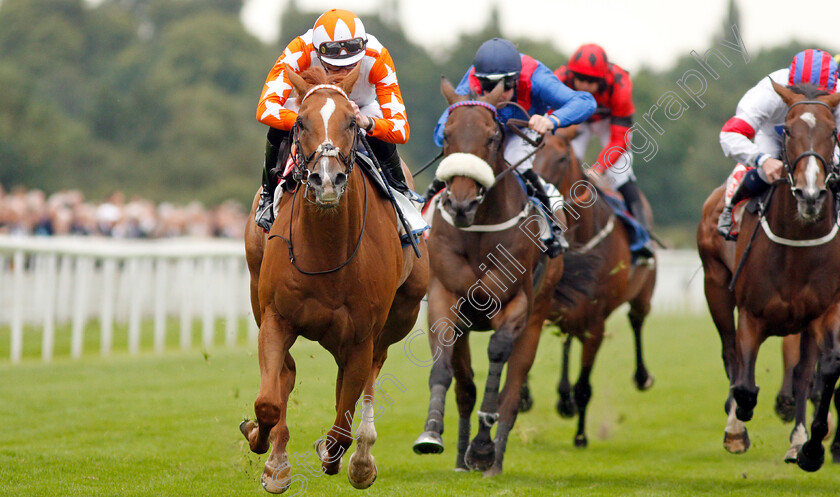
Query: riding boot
393, 170
435, 186
633, 200
558, 243
752, 184
264, 216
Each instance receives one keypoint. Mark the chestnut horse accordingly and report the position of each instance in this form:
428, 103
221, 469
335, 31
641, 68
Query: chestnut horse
483, 278
332, 270
787, 281
594, 229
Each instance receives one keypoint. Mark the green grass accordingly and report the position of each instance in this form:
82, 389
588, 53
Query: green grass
167, 426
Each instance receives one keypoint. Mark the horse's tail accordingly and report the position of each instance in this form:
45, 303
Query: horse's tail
579, 277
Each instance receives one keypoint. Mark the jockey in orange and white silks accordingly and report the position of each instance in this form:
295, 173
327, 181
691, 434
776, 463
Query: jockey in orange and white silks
753, 137
337, 42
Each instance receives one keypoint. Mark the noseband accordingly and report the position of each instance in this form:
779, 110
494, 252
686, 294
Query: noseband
832, 175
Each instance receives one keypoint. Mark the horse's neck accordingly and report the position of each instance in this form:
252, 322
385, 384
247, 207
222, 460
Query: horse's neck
591, 218
782, 216
332, 231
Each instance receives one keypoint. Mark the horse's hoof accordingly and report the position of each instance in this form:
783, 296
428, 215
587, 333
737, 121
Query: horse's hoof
526, 402
566, 407
480, 458
581, 442
811, 456
494, 471
276, 481
365, 480
736, 443
245, 427
785, 408
429, 442
644, 382
792, 454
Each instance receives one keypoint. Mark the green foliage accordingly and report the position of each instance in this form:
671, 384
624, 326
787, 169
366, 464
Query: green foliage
157, 98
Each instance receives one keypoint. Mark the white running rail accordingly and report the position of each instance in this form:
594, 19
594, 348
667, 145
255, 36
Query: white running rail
48, 281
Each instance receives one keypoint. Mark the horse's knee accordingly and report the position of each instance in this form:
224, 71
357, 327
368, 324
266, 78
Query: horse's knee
267, 413
500, 347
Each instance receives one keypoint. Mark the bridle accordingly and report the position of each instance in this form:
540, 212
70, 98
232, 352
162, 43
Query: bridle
301, 161
832, 172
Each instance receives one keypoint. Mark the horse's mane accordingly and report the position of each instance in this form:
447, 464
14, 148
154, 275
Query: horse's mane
316, 75
808, 90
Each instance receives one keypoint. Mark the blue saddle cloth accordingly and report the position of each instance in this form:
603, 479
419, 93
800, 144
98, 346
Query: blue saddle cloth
639, 236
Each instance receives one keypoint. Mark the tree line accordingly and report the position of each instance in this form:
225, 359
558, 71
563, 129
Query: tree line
157, 98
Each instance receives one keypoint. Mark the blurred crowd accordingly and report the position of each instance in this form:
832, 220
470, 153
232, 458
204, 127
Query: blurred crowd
32, 212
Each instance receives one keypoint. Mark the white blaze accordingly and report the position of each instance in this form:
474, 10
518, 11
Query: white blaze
326, 113
809, 119
811, 176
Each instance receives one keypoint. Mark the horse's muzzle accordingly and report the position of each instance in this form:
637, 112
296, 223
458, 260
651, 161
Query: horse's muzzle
810, 204
461, 211
328, 189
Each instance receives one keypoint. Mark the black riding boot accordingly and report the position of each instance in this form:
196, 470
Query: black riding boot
633, 201
393, 170
265, 210
752, 185
435, 186
558, 243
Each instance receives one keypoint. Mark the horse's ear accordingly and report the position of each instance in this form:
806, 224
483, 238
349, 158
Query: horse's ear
349, 81
832, 100
788, 96
449, 91
495, 96
300, 85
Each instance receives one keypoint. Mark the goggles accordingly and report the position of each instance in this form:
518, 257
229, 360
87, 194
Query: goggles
332, 49
586, 78
490, 81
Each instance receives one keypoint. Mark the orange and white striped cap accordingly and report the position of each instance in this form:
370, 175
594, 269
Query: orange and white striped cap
338, 25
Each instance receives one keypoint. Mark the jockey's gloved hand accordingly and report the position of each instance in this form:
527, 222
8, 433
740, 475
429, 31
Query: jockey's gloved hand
540, 124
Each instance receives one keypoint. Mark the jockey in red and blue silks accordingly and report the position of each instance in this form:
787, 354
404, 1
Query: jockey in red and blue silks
533, 86
753, 136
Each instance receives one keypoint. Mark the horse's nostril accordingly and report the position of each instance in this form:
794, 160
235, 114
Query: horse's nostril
315, 179
340, 179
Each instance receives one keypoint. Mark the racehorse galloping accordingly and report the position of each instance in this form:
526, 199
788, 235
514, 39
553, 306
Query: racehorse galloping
483, 278
787, 283
599, 232
332, 271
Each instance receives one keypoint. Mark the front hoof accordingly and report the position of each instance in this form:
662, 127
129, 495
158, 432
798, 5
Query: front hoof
480, 457
581, 442
330, 467
792, 454
566, 407
811, 457
494, 471
643, 382
276, 481
785, 408
736, 443
361, 477
429, 442
251, 431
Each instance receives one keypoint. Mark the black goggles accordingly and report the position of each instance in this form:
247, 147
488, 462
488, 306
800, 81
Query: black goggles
332, 49
586, 78
487, 84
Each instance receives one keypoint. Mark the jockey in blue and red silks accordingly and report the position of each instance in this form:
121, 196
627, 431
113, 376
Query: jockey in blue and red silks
589, 70
533, 86
753, 136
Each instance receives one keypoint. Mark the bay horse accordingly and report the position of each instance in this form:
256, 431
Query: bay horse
483, 278
593, 229
332, 270
787, 282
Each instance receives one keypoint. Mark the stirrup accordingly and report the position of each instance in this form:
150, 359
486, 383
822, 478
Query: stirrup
724, 225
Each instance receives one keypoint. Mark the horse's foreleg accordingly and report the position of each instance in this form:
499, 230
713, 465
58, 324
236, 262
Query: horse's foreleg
785, 403
361, 470
356, 365
583, 388
801, 376
277, 373
565, 403
639, 310
812, 455
748, 339
465, 396
521, 360
835, 446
